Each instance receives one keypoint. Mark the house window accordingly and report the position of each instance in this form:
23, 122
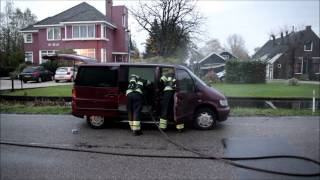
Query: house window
103, 55
53, 33
279, 66
27, 38
298, 66
86, 52
124, 20
28, 56
226, 56
46, 53
308, 46
104, 32
83, 31
316, 65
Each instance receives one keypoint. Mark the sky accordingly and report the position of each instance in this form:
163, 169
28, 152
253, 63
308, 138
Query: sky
253, 20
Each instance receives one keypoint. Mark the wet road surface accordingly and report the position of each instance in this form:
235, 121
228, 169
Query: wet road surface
302, 133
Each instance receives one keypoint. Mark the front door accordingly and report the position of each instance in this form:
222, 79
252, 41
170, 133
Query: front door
185, 96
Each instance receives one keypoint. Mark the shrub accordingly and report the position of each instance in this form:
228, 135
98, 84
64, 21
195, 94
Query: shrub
293, 82
50, 65
238, 71
211, 78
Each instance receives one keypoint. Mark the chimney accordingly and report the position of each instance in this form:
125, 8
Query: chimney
308, 28
287, 37
282, 40
273, 39
109, 9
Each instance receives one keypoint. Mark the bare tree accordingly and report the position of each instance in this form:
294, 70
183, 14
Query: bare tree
177, 22
212, 45
236, 45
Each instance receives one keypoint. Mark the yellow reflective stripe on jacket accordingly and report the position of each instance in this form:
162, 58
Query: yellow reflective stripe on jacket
180, 126
136, 125
131, 123
163, 123
163, 78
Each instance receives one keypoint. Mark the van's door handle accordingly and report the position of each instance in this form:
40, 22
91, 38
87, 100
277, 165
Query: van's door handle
109, 96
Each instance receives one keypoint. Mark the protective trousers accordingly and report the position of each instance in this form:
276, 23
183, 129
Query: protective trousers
166, 108
134, 107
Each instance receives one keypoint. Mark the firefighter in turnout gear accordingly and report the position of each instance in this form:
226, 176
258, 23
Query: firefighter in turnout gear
167, 101
135, 102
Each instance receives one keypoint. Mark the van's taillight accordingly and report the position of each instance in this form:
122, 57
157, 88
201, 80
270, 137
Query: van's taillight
74, 93
35, 74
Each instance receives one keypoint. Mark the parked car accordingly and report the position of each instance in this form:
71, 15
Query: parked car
99, 95
35, 73
65, 74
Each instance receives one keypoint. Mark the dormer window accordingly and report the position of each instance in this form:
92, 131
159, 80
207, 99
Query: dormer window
53, 33
27, 38
308, 46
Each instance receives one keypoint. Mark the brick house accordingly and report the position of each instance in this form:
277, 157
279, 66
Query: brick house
294, 54
83, 29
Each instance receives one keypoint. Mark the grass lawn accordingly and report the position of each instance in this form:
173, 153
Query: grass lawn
32, 109
274, 89
44, 91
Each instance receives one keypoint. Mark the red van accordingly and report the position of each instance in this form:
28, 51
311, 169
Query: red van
99, 95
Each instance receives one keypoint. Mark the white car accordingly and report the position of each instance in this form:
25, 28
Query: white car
65, 74
221, 75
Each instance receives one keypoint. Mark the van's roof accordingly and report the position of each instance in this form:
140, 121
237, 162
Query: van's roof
131, 64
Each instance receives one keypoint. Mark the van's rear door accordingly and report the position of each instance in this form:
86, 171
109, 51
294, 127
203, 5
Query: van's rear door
185, 98
97, 91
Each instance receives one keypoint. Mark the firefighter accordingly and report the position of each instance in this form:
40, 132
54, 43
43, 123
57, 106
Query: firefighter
135, 102
167, 101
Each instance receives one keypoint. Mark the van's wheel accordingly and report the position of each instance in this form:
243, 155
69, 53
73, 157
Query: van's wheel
96, 122
204, 119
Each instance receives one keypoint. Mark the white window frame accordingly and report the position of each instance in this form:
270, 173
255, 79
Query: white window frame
59, 35
40, 54
26, 39
301, 69
124, 20
311, 47
87, 34
31, 56
103, 55
102, 35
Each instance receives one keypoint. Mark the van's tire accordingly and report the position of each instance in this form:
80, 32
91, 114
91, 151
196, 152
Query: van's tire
96, 122
204, 119
57, 81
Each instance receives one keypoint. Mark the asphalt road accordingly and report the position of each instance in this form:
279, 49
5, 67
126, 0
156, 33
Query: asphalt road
5, 84
32, 163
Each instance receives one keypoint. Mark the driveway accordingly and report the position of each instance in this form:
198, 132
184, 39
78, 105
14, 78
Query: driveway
299, 133
5, 84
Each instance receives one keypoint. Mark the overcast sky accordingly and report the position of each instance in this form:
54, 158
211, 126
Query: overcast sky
253, 20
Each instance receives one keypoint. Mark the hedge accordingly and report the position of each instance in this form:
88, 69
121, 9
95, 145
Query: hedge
239, 71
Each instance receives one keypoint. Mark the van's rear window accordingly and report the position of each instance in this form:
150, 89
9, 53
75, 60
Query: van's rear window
97, 76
